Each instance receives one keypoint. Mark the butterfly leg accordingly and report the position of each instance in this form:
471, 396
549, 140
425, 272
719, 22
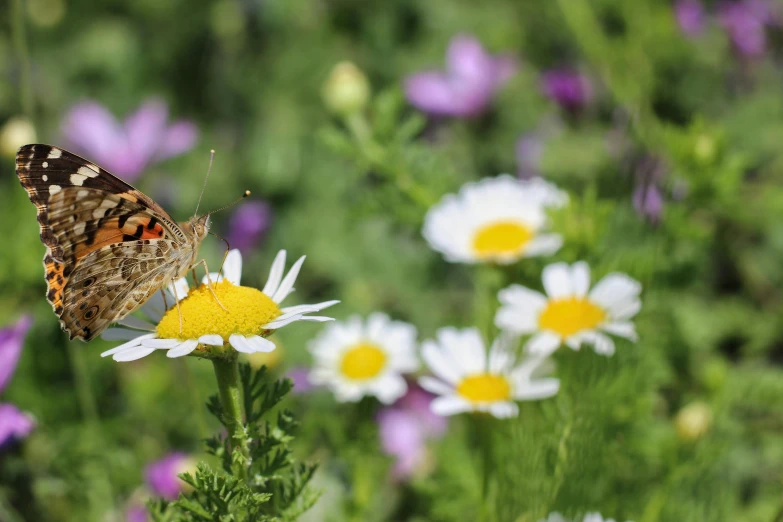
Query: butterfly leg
165, 301
209, 284
176, 300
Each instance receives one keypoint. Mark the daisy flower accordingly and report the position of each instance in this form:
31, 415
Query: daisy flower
570, 312
499, 220
467, 378
355, 358
252, 315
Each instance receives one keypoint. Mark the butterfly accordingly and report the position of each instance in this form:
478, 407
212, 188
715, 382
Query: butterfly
109, 247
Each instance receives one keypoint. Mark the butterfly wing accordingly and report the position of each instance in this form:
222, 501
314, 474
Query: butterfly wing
84, 211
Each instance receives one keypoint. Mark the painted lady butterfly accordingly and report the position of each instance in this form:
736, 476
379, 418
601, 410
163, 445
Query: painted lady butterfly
109, 247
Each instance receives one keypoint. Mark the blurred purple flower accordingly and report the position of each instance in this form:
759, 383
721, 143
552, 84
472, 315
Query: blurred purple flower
11, 343
529, 152
136, 513
568, 88
161, 475
466, 87
745, 22
300, 376
14, 423
405, 427
690, 16
648, 201
127, 148
248, 224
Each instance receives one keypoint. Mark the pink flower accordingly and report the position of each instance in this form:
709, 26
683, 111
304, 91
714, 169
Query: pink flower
690, 16
14, 423
745, 23
161, 475
11, 343
127, 148
405, 427
466, 87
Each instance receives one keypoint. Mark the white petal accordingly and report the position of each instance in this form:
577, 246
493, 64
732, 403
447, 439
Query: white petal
557, 280
232, 267
259, 344
501, 356
183, 349
602, 344
279, 323
211, 278
287, 286
624, 329
119, 334
389, 388
134, 342
138, 324
179, 288
240, 344
154, 308
436, 386
625, 309
543, 344
307, 308
504, 410
440, 364
275, 274
472, 355
538, 389
449, 405
580, 278
615, 288
211, 339
132, 354
161, 343
316, 318
543, 245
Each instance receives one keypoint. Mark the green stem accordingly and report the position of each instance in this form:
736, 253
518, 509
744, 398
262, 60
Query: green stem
81, 377
226, 372
20, 43
483, 429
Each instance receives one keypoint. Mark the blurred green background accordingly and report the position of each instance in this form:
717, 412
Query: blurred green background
250, 74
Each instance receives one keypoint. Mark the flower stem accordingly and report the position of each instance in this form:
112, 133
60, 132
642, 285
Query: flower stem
226, 372
483, 429
83, 389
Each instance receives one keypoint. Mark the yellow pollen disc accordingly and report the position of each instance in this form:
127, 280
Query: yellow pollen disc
363, 361
502, 237
248, 310
571, 315
485, 387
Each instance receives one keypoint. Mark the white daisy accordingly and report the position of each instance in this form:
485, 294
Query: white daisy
589, 517
501, 220
252, 315
470, 379
355, 358
570, 312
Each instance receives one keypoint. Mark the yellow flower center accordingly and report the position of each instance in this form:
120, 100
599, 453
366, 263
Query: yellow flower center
502, 237
248, 310
363, 361
485, 387
570, 315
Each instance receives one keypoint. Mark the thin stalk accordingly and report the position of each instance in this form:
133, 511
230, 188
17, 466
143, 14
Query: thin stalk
18, 28
227, 374
84, 392
483, 430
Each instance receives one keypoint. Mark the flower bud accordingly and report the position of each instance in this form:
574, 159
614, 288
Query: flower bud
16, 132
347, 90
693, 421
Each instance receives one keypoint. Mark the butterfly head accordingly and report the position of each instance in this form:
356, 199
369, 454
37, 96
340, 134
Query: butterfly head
197, 227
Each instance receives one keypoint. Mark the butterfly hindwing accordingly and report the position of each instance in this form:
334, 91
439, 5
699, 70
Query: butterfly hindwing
89, 220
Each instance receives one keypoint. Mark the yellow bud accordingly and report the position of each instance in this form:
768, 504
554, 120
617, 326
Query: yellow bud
705, 149
347, 90
16, 132
693, 421
269, 359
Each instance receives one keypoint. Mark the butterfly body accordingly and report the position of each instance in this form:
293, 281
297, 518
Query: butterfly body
109, 247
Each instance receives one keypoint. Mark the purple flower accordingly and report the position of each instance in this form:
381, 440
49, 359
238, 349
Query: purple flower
248, 224
14, 423
466, 87
300, 376
405, 427
648, 201
136, 513
690, 16
11, 343
127, 148
161, 475
745, 22
529, 153
568, 88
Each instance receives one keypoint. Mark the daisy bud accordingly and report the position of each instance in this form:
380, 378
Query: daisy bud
16, 132
693, 421
347, 90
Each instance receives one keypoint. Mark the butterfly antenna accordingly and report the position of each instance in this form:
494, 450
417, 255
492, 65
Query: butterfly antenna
209, 169
243, 196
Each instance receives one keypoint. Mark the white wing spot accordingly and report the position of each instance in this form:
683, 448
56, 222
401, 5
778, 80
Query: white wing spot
88, 172
79, 227
82, 194
94, 168
78, 179
54, 189
45, 164
54, 153
45, 177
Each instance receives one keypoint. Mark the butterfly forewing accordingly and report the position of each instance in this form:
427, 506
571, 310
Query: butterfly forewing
109, 247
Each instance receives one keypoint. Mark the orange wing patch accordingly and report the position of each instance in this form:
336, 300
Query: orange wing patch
55, 281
